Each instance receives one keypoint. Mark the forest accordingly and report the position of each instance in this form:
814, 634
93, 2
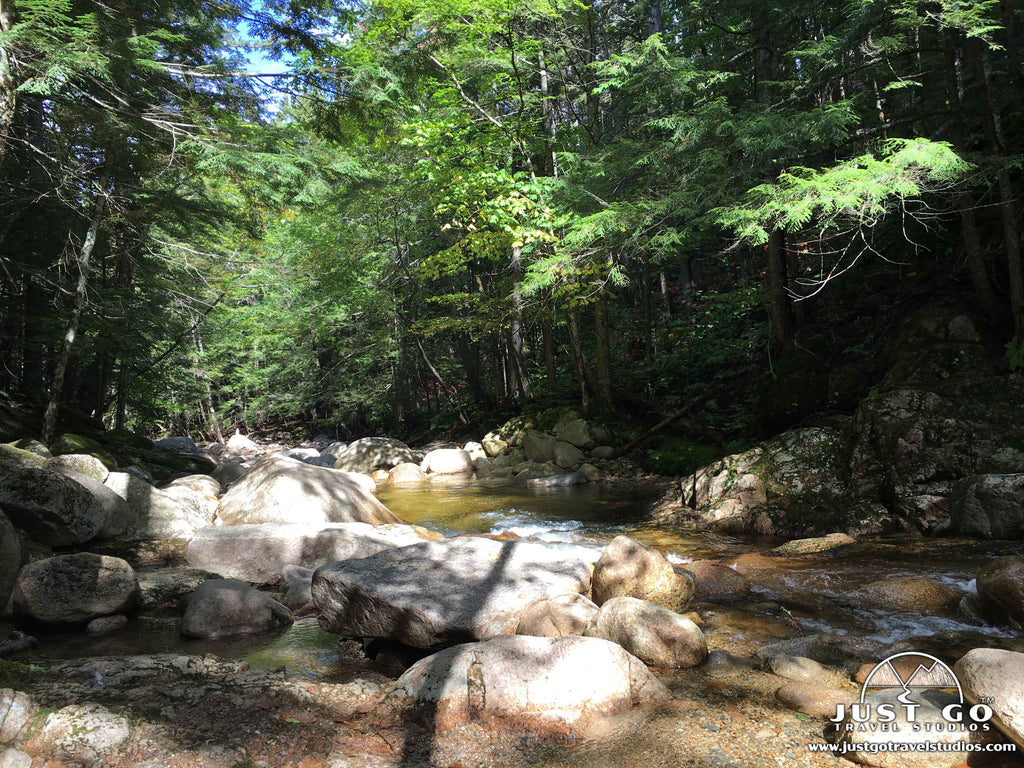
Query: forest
408, 218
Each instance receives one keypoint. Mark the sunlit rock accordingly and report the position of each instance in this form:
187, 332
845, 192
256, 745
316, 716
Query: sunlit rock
437, 592
546, 685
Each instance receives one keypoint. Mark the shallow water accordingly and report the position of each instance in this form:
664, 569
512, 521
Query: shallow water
791, 597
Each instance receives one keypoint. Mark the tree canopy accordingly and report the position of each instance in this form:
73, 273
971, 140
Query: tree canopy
446, 211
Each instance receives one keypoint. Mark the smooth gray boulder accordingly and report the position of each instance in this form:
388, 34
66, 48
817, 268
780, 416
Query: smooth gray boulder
438, 592
226, 608
158, 514
371, 453
74, 589
655, 635
82, 463
259, 553
566, 455
576, 432
997, 677
281, 490
447, 461
119, 515
13, 458
628, 568
541, 684
538, 446
52, 507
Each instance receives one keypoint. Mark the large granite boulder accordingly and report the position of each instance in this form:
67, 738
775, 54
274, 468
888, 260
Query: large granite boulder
158, 514
52, 507
575, 432
540, 684
437, 592
74, 589
996, 677
372, 453
628, 568
81, 463
655, 635
70, 442
13, 458
447, 461
1000, 586
406, 474
281, 490
790, 485
259, 553
538, 446
989, 507
119, 515
10, 559
225, 608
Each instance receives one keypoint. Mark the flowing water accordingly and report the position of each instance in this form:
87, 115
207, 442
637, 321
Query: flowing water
790, 597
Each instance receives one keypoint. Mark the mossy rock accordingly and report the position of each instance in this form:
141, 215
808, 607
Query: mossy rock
12, 458
70, 442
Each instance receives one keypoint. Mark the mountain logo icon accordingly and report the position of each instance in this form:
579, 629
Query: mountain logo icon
909, 671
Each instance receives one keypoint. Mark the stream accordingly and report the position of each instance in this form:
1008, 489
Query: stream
790, 597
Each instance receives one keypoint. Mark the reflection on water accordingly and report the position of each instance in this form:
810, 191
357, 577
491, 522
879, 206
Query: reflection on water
791, 596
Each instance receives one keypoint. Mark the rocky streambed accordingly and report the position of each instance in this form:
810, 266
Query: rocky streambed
697, 648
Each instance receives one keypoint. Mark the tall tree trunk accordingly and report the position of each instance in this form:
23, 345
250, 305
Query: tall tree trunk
778, 298
64, 356
605, 396
645, 299
686, 283
578, 362
519, 384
